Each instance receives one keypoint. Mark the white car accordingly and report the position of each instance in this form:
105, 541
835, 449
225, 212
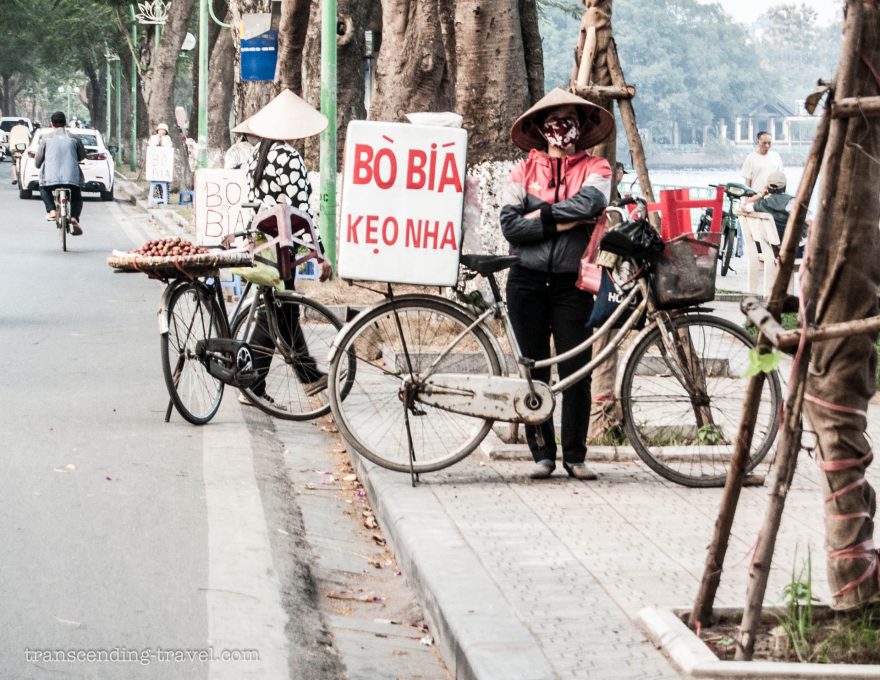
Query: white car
98, 167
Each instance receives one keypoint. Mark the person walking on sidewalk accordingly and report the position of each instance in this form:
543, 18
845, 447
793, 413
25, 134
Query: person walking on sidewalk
549, 208
58, 159
276, 173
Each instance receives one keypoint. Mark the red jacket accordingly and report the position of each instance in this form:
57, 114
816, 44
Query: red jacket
574, 188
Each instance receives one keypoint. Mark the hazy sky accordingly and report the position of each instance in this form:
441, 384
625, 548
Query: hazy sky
748, 10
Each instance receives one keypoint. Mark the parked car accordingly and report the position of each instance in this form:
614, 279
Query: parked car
98, 168
6, 124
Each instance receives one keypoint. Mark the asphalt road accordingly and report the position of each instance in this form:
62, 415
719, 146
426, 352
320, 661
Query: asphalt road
132, 548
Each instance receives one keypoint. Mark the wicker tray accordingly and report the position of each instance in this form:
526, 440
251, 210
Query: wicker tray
177, 265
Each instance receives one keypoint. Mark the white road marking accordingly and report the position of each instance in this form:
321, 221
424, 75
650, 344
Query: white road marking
245, 609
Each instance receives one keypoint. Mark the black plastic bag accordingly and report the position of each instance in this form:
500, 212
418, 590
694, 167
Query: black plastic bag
633, 238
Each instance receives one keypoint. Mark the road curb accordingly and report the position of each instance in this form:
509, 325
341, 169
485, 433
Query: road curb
480, 635
167, 219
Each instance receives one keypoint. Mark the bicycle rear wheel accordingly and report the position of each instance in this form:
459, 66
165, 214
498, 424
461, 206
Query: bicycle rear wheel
384, 342
688, 435
193, 315
62, 219
308, 329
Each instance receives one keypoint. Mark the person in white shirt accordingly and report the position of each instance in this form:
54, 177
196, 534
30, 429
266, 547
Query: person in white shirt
760, 163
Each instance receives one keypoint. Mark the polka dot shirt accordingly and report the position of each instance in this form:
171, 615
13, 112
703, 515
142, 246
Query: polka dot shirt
285, 179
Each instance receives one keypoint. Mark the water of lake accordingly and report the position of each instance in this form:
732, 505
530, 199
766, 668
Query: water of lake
703, 177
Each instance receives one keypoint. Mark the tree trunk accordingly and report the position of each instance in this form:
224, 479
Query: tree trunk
221, 9
841, 379
351, 48
158, 82
250, 96
96, 95
411, 70
292, 32
219, 92
480, 58
311, 82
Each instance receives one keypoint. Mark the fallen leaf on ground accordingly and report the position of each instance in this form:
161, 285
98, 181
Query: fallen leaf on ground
68, 621
349, 478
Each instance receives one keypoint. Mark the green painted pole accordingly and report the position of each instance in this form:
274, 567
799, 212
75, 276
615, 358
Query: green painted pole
118, 70
133, 141
202, 146
107, 130
328, 137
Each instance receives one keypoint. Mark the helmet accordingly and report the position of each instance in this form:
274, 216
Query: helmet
776, 181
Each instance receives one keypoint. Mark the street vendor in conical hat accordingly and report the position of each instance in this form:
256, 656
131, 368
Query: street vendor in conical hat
549, 211
276, 173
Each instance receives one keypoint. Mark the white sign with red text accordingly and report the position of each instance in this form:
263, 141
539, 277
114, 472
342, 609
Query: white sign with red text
402, 200
219, 194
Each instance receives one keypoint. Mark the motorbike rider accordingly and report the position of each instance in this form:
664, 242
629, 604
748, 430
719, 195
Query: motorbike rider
58, 159
19, 134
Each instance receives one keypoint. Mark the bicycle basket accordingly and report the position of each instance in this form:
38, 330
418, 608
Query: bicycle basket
684, 274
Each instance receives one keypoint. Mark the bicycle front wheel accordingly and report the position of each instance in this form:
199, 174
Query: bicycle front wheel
727, 249
681, 413
293, 373
193, 315
392, 346
61, 223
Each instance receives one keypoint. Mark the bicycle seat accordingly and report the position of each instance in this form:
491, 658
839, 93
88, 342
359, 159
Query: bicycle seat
489, 264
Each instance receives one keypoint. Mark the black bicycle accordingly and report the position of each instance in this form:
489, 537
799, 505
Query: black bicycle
729, 224
62, 214
273, 348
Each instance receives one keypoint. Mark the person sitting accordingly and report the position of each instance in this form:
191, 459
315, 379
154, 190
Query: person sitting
778, 204
161, 137
58, 159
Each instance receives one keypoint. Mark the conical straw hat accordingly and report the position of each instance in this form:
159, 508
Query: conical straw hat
285, 117
599, 123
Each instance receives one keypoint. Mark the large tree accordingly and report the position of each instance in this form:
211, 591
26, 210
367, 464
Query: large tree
481, 58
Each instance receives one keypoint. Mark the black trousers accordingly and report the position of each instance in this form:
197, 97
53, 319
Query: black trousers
76, 198
304, 364
542, 306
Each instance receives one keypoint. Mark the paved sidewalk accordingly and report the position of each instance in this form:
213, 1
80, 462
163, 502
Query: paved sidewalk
544, 579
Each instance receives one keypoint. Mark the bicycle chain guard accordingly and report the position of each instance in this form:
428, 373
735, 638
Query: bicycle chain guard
230, 361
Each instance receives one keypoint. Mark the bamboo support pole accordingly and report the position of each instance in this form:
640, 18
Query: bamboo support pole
771, 329
856, 106
789, 440
586, 65
606, 92
705, 600
628, 115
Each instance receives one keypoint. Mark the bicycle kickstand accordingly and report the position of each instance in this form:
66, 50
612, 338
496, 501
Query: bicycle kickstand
407, 398
168, 411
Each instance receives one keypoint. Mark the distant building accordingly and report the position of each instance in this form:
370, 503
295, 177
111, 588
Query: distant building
787, 125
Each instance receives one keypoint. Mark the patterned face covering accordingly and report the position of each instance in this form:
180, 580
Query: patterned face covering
561, 132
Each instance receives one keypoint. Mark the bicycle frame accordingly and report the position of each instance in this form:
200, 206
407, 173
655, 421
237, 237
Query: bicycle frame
498, 309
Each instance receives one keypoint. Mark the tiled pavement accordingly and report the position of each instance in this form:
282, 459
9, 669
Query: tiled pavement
527, 579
